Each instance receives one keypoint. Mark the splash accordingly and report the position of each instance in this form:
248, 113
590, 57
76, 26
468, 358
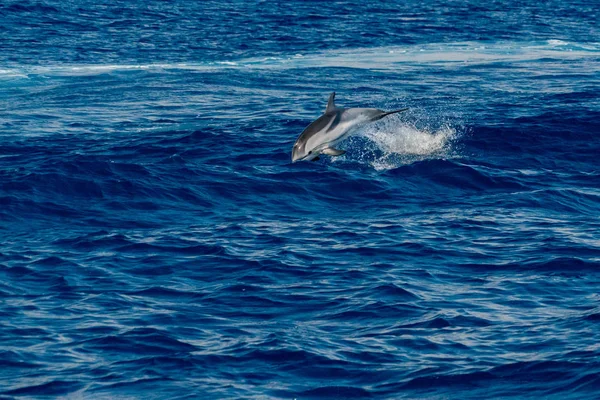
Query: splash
393, 143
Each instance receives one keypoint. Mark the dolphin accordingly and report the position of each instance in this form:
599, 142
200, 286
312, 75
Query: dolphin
336, 124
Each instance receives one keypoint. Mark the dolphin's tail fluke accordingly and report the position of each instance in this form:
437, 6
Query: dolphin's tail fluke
386, 113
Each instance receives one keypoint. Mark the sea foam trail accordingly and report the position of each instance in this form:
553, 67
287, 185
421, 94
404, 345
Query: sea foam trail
361, 58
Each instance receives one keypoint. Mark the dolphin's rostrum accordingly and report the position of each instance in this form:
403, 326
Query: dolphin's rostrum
336, 124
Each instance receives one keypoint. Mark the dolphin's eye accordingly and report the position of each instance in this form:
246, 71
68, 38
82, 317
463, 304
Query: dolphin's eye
310, 152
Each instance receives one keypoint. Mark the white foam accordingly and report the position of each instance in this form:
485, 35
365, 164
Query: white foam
555, 42
11, 73
399, 143
380, 58
92, 69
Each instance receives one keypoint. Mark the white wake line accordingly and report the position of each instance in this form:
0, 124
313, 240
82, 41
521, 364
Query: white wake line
367, 58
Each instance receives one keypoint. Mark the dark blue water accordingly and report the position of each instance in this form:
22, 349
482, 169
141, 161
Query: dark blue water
157, 242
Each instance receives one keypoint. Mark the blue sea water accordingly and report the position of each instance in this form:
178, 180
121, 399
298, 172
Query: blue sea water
156, 241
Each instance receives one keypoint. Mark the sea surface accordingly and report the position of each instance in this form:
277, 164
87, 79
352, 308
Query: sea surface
156, 242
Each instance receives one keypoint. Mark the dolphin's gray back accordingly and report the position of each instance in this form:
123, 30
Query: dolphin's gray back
323, 124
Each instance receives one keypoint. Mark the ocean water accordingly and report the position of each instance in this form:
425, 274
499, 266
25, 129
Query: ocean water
156, 242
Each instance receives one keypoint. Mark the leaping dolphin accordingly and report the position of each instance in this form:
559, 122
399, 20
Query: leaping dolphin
336, 124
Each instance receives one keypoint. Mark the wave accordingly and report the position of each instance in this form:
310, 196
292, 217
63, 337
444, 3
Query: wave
53, 388
456, 175
568, 378
337, 392
566, 265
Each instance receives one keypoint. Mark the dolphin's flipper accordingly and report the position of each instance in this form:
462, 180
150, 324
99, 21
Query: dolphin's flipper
330, 151
330, 103
315, 159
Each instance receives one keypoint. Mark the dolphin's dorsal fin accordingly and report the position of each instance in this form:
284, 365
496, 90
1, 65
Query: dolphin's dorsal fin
330, 103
